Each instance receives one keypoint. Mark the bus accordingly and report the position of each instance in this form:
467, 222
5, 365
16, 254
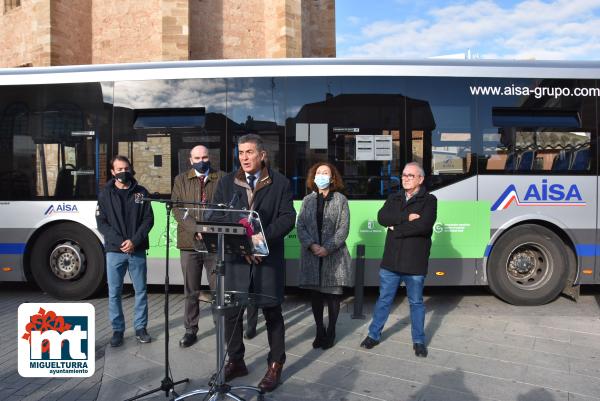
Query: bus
509, 149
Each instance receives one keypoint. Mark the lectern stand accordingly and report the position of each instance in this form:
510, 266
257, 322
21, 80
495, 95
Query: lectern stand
235, 232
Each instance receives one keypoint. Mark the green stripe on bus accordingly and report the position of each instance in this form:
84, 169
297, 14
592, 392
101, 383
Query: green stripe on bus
462, 230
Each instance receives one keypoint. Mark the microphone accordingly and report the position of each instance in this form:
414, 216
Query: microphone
234, 199
232, 202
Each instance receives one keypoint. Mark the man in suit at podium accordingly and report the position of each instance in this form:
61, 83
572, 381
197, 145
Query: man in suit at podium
254, 186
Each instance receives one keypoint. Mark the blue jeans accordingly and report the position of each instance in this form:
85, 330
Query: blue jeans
116, 265
388, 285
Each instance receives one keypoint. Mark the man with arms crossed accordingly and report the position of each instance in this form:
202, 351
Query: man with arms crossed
409, 216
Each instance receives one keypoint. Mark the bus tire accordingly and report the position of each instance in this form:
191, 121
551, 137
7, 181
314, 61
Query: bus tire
528, 266
67, 262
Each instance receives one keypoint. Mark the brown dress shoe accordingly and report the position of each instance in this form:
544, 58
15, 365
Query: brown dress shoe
235, 369
272, 377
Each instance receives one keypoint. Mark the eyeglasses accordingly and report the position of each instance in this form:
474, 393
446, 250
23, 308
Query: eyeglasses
410, 176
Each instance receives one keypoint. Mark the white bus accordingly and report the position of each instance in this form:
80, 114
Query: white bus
510, 150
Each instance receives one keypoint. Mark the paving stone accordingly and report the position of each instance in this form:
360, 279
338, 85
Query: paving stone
530, 330
575, 384
480, 349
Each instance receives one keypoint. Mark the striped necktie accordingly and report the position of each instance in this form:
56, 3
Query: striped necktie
251, 179
202, 188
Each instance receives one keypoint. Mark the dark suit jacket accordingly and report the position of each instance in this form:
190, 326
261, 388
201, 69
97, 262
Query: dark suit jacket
272, 199
407, 246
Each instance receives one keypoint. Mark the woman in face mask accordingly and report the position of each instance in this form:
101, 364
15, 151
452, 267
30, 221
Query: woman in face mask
323, 225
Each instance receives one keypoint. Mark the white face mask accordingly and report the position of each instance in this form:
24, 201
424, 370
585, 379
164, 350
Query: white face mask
322, 181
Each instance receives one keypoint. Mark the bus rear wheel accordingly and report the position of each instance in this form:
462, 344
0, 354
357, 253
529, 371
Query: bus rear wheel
67, 262
528, 266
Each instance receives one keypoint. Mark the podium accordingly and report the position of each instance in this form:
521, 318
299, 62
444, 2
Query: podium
236, 232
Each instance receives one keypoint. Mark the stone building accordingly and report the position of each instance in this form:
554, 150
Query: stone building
43, 33
68, 32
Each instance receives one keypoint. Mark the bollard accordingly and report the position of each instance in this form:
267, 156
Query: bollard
359, 283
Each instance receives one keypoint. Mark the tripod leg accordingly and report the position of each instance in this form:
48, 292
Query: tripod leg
250, 388
191, 393
166, 385
257, 390
234, 397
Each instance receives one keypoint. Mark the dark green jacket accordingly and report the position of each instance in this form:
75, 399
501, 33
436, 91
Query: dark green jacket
187, 189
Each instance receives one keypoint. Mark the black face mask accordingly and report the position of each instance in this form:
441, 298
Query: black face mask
202, 167
124, 177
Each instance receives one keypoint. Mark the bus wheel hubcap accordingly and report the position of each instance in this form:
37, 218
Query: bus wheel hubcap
529, 266
67, 261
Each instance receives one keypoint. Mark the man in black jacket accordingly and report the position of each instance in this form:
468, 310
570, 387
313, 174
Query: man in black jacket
256, 187
125, 219
409, 216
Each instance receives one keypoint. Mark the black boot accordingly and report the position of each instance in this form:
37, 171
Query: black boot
317, 310
320, 338
333, 309
329, 339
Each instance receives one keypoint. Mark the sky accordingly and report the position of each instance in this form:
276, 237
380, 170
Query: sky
488, 29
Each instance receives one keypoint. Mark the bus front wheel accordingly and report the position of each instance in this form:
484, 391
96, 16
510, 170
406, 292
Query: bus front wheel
528, 266
67, 262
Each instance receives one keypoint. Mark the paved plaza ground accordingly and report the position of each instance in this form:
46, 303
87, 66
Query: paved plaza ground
480, 349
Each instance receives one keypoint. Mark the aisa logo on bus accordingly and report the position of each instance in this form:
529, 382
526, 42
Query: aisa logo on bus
540, 195
61, 208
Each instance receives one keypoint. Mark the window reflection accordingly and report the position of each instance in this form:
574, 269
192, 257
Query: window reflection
49, 138
255, 106
355, 123
440, 118
158, 122
545, 134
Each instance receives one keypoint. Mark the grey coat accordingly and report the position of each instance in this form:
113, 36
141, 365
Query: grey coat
336, 268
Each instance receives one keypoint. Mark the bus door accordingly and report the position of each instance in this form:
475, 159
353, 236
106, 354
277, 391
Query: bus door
67, 167
65, 138
439, 135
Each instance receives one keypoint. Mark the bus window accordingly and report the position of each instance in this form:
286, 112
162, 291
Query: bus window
451, 153
534, 134
15, 183
581, 159
158, 122
536, 147
255, 106
356, 123
440, 136
50, 137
